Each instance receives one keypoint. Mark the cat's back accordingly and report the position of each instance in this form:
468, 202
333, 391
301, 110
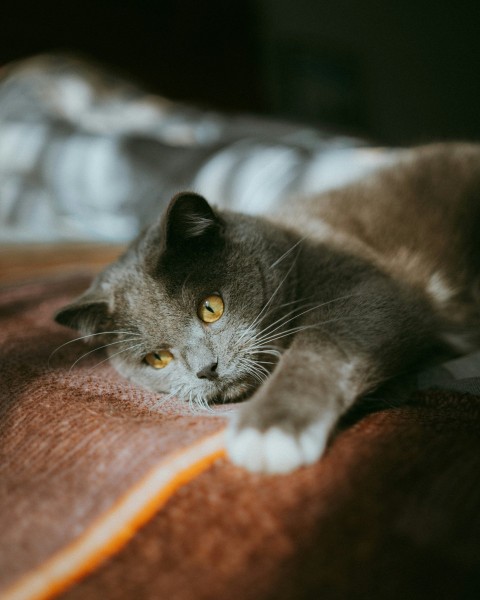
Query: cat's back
418, 219
433, 184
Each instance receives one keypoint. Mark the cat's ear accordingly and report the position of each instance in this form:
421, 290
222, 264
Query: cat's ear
88, 314
189, 219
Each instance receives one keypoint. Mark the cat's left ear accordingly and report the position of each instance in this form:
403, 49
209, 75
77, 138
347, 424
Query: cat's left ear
89, 314
189, 219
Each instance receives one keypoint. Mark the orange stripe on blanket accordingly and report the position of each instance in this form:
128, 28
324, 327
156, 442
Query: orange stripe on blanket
110, 532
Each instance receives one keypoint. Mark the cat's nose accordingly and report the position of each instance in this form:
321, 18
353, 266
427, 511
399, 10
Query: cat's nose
209, 372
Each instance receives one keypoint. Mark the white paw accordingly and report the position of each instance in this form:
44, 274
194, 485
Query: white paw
275, 450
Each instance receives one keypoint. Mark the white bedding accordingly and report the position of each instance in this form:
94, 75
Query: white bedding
86, 156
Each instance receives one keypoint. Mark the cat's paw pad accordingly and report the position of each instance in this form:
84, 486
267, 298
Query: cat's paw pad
276, 450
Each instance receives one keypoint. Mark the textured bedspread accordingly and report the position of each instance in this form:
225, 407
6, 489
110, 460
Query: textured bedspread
108, 493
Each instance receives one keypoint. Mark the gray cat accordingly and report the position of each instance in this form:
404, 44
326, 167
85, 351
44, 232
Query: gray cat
306, 311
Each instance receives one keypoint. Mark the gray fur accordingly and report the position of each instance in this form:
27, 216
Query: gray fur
344, 292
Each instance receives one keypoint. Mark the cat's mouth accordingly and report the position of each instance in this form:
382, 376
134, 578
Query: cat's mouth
224, 392
232, 389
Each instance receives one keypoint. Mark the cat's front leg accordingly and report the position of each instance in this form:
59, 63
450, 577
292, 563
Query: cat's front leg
288, 422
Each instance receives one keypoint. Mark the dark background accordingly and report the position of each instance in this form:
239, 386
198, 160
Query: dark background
396, 71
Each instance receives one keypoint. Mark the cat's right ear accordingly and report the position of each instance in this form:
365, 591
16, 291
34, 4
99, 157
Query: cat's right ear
89, 314
189, 220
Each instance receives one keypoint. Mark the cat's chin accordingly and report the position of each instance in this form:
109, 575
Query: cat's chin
230, 398
231, 393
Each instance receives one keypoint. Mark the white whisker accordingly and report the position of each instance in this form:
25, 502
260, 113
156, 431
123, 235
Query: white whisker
292, 312
305, 327
285, 254
100, 348
163, 400
259, 372
83, 337
257, 338
260, 349
116, 354
256, 320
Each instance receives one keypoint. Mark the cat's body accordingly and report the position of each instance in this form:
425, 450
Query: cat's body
347, 290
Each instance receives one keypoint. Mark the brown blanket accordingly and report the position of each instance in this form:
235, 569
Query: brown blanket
106, 493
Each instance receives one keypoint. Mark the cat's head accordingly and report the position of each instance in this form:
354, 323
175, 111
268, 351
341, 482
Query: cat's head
186, 309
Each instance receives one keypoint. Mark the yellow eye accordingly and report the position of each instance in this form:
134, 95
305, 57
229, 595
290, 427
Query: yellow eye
159, 360
210, 308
